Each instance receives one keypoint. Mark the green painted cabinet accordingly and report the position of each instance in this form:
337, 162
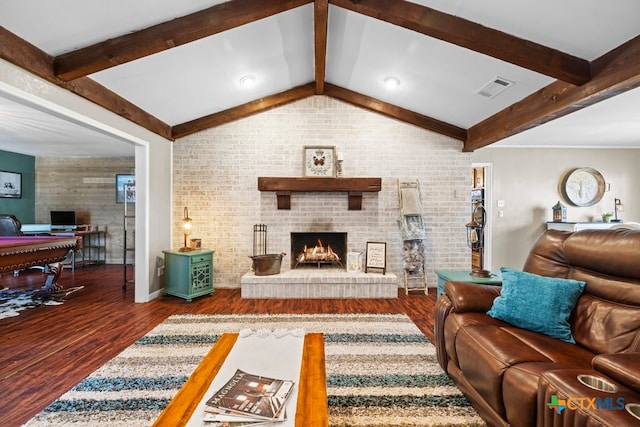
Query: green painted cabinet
188, 274
464, 276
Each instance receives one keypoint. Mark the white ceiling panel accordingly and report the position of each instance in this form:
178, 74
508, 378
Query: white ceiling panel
203, 77
64, 25
614, 123
583, 28
438, 79
29, 129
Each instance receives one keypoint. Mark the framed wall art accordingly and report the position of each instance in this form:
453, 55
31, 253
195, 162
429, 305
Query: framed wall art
376, 256
195, 243
10, 185
319, 161
125, 188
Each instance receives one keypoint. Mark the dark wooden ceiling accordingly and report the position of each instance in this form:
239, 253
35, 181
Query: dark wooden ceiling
579, 83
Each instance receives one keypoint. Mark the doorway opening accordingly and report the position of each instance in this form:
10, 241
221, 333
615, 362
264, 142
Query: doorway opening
481, 175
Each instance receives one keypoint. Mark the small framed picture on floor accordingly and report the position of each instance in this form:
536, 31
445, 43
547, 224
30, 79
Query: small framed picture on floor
376, 256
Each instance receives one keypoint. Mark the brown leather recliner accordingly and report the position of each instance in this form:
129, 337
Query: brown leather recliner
511, 375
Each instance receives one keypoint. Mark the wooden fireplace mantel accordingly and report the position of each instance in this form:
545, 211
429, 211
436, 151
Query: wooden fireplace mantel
283, 186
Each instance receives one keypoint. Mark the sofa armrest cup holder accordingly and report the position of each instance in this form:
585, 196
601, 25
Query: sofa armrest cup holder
597, 383
633, 409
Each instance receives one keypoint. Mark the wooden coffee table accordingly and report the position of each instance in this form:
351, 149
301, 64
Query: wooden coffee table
311, 407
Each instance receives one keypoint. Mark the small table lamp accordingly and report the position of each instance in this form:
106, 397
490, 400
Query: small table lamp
186, 229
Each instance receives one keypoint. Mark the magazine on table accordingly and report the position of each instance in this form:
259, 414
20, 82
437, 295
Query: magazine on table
221, 420
250, 397
216, 420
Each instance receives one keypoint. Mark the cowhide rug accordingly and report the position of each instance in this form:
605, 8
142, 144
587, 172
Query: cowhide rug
13, 301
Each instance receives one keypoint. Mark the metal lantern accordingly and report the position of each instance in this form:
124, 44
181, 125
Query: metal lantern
559, 212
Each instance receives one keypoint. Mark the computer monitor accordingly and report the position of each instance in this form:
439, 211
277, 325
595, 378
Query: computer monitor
63, 219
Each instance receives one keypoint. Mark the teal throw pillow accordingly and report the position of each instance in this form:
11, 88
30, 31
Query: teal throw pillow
538, 303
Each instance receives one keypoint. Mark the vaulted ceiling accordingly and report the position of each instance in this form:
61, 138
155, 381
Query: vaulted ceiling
175, 67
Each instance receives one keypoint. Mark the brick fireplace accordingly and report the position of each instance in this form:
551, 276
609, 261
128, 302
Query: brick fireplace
319, 283
226, 201
315, 273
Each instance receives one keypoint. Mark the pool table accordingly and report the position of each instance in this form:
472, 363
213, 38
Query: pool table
20, 252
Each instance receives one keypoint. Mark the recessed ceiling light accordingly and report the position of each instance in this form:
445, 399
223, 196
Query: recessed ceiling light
391, 82
247, 81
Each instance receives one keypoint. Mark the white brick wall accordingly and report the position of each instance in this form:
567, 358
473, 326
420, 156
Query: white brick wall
215, 175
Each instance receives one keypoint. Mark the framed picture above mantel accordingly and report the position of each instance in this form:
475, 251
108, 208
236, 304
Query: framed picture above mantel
319, 161
10, 185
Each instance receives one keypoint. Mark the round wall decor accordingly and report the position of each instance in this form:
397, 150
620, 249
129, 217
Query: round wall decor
583, 187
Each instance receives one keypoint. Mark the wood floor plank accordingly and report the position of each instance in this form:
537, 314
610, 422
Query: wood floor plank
312, 409
46, 351
180, 409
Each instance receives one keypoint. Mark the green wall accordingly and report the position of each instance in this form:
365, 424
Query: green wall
25, 207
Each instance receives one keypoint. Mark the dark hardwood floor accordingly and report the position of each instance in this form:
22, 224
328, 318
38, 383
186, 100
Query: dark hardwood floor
47, 350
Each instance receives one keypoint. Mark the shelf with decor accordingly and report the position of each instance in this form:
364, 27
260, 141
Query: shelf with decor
284, 186
577, 226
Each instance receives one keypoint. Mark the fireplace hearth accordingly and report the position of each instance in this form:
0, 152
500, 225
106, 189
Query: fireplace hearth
318, 249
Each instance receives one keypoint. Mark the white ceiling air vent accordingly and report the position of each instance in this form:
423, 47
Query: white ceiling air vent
496, 86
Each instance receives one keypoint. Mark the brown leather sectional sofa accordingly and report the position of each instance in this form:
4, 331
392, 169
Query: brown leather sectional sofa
513, 376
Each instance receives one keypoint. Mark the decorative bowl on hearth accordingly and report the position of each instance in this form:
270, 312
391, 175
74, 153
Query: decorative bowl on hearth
268, 264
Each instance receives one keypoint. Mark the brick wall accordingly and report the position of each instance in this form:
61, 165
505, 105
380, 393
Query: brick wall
87, 186
215, 175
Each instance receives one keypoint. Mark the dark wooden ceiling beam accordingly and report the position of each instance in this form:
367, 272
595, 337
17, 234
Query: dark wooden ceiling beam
614, 73
28, 57
395, 112
307, 90
321, 19
160, 37
244, 110
25, 55
473, 36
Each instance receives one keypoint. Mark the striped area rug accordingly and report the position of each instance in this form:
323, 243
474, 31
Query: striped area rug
381, 371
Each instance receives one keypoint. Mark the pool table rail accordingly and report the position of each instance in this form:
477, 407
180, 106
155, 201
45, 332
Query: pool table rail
20, 252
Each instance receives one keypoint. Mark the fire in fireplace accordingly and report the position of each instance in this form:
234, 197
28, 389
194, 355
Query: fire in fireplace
318, 254
318, 249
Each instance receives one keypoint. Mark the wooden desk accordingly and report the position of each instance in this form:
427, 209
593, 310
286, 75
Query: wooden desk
464, 276
92, 246
311, 408
92, 243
